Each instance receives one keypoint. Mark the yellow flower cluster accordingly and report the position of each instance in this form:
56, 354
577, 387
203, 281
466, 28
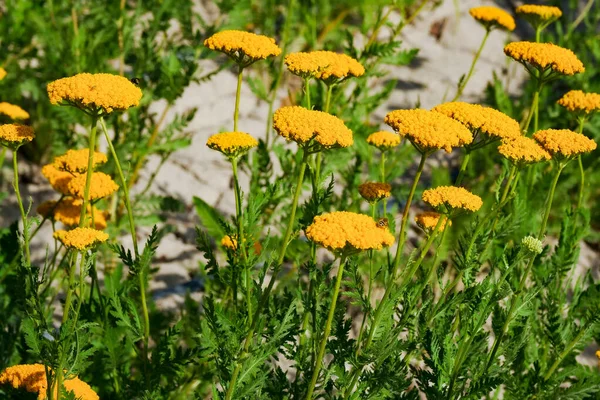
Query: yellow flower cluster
14, 135
545, 55
374, 191
302, 126
32, 378
238, 44
564, 143
477, 118
59, 180
383, 140
81, 238
578, 101
101, 186
428, 221
545, 13
68, 211
491, 17
523, 150
12, 111
2, 73
347, 231
429, 130
229, 243
95, 92
76, 161
452, 198
323, 65
231, 144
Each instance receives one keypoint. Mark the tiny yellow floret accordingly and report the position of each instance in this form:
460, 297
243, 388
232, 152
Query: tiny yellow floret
13, 112
102, 185
384, 140
343, 231
523, 150
429, 130
309, 127
76, 161
448, 198
81, 238
537, 12
68, 211
374, 191
323, 65
564, 143
580, 102
95, 92
15, 135
429, 219
238, 45
491, 17
545, 56
231, 144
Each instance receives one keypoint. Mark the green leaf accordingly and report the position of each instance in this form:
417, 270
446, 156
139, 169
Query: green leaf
210, 218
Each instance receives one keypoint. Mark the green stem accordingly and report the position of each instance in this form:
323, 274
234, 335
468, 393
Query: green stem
533, 110
581, 170
564, 353
463, 83
382, 178
538, 34
321, 354
241, 246
90, 170
21, 209
463, 168
369, 287
236, 111
68, 300
549, 201
307, 93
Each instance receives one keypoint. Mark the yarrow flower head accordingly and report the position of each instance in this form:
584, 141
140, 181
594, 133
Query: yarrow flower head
68, 211
13, 112
323, 65
539, 16
491, 123
81, 238
564, 143
580, 102
14, 135
59, 180
102, 185
232, 144
532, 245
383, 140
493, 17
76, 161
522, 151
243, 47
429, 220
348, 232
374, 191
446, 199
95, 93
32, 378
546, 57
313, 130
429, 130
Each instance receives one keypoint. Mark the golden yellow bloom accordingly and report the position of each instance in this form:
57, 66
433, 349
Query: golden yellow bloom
81, 238
491, 17
374, 191
68, 211
12, 111
341, 231
323, 65
59, 180
239, 44
523, 150
303, 126
564, 143
14, 135
578, 101
544, 56
101, 186
32, 378
231, 144
95, 92
229, 243
2, 73
428, 220
479, 119
448, 198
535, 12
429, 130
383, 140
76, 161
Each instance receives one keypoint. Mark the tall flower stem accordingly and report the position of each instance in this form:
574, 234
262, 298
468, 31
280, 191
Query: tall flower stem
265, 295
463, 83
463, 168
21, 208
241, 247
90, 170
321, 354
370, 284
319, 154
581, 170
382, 178
236, 111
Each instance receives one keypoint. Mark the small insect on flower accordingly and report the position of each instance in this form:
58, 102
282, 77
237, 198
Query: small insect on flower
135, 81
383, 223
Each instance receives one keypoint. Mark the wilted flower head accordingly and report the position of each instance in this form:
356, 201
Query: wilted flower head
324, 65
76, 161
523, 150
429, 130
445, 199
383, 140
343, 231
95, 93
68, 211
102, 185
13, 112
32, 378
532, 245
374, 191
429, 220
243, 47
578, 101
564, 143
544, 57
492, 17
232, 144
539, 16
313, 130
15, 135
81, 238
